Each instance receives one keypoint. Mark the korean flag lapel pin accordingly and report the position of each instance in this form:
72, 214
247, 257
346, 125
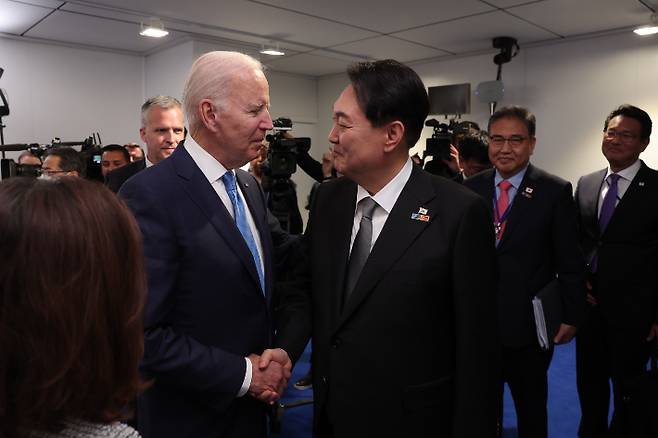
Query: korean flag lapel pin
527, 192
421, 215
640, 183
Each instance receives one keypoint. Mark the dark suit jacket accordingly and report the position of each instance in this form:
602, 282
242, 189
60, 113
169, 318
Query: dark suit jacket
413, 351
205, 309
627, 250
115, 179
540, 242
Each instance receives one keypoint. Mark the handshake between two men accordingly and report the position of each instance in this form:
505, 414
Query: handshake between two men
270, 375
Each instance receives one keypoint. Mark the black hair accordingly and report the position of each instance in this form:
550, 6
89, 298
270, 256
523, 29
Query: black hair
388, 90
116, 148
515, 112
632, 112
475, 147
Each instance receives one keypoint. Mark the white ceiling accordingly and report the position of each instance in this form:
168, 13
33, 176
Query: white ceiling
322, 37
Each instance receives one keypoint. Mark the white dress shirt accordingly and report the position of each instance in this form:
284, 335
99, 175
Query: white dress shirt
213, 170
385, 199
623, 183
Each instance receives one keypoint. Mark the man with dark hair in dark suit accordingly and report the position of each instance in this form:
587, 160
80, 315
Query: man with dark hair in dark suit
537, 243
404, 337
618, 212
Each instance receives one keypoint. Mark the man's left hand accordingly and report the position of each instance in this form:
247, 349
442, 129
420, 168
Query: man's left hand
565, 334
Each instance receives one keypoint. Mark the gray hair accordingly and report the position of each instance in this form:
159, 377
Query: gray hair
164, 102
210, 78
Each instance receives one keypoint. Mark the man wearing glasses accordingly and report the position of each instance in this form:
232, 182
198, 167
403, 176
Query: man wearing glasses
62, 162
536, 244
618, 216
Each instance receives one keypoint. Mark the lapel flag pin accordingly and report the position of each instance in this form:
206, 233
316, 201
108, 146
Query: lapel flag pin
422, 210
527, 192
641, 183
420, 217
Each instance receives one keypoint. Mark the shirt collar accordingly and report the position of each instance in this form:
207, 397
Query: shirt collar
389, 194
628, 173
515, 180
210, 167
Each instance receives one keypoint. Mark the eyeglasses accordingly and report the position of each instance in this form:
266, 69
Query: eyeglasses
514, 140
624, 137
52, 172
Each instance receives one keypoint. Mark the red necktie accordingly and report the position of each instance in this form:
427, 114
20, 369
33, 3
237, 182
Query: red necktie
501, 206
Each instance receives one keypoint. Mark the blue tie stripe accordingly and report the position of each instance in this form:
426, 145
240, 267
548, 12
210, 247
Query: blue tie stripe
243, 225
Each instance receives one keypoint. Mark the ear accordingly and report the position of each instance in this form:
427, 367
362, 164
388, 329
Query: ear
394, 135
142, 134
533, 141
208, 114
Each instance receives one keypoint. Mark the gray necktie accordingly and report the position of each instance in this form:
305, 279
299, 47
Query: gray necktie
360, 248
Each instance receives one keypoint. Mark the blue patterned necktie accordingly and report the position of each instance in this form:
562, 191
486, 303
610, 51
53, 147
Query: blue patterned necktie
241, 221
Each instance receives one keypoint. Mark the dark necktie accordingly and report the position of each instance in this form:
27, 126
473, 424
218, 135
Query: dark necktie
360, 248
243, 225
609, 202
607, 209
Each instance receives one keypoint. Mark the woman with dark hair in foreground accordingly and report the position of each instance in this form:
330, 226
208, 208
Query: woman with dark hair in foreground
72, 288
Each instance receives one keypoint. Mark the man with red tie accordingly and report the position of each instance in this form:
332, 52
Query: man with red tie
618, 217
537, 242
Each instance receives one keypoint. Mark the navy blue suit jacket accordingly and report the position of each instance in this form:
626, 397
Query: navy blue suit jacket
205, 309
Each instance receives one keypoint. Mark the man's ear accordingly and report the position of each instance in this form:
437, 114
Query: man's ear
208, 114
394, 135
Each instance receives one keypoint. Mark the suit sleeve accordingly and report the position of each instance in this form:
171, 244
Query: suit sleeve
171, 357
568, 257
477, 346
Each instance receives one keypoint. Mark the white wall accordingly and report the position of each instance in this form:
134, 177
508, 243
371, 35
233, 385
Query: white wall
57, 91
570, 87
165, 71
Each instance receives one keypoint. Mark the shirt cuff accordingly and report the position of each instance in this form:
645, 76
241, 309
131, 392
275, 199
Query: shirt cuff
247, 378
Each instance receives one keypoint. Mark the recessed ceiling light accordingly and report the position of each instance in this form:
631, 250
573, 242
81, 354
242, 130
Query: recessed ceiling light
271, 50
154, 28
649, 29
646, 30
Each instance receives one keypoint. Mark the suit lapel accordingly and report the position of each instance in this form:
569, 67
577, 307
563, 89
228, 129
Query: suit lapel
399, 231
591, 197
338, 225
634, 196
198, 188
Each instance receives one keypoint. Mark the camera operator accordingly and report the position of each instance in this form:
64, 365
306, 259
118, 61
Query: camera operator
113, 156
62, 161
474, 154
28, 157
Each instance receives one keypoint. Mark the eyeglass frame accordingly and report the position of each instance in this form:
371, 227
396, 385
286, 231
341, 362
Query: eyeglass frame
624, 136
512, 140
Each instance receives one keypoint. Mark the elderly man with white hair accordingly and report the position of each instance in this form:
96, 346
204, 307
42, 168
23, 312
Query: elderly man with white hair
209, 246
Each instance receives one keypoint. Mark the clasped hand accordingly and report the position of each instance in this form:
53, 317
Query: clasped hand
269, 374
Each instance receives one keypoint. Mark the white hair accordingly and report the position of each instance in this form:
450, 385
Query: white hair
210, 78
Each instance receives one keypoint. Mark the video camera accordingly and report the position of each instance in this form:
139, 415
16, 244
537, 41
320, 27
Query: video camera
438, 146
282, 154
90, 154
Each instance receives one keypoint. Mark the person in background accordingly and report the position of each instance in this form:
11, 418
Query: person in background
27, 157
62, 161
534, 216
163, 127
474, 153
618, 216
113, 156
70, 319
136, 152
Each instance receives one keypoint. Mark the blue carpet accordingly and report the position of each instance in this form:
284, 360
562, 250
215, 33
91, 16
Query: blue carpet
563, 407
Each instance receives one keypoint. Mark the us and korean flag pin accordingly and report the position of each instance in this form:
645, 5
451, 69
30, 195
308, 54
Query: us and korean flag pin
421, 215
